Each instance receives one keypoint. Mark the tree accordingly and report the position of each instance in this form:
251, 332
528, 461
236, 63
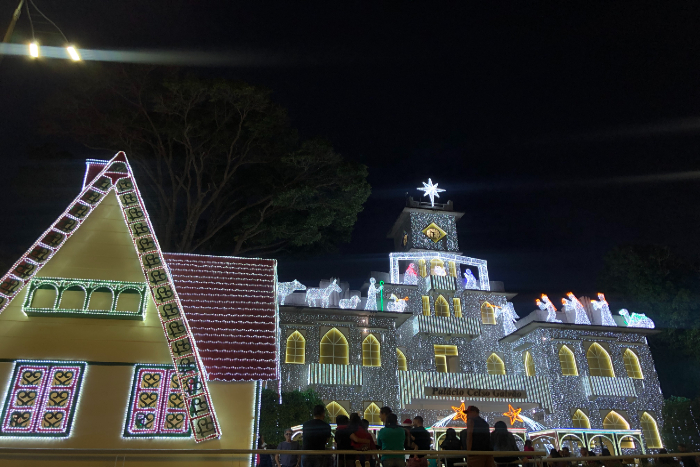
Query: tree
681, 423
295, 409
220, 161
651, 279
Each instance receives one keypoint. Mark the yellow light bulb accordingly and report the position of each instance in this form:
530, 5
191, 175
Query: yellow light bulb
34, 50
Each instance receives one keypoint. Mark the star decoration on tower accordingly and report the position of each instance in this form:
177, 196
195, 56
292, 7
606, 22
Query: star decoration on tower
460, 414
431, 191
513, 414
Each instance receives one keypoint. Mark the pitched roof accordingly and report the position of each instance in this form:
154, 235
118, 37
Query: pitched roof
116, 175
231, 308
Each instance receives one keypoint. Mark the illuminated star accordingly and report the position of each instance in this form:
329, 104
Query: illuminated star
460, 414
431, 190
513, 414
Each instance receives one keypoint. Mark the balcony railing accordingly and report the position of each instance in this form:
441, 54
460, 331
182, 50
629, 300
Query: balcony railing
336, 375
596, 386
446, 325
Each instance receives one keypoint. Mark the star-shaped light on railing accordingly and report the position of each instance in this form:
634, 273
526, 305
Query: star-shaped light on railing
460, 414
513, 414
431, 191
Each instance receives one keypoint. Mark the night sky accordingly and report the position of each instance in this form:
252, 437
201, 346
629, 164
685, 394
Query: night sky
561, 131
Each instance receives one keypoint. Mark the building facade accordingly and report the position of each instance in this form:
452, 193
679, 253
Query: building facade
434, 334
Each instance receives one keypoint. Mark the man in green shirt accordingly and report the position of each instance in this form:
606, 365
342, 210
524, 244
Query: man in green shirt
391, 438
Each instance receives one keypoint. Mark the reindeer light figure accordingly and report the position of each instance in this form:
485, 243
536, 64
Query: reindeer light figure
637, 320
398, 304
287, 288
349, 303
574, 304
547, 306
322, 294
602, 305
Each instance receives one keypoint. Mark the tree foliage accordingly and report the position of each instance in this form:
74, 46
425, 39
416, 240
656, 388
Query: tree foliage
218, 161
681, 423
296, 408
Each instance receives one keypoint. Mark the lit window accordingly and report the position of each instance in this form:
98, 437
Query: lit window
567, 362
457, 302
403, 365
599, 363
446, 358
334, 409
334, 348
494, 365
422, 270
42, 399
157, 406
580, 420
437, 267
529, 364
370, 352
651, 431
488, 316
372, 414
632, 365
426, 305
441, 307
453, 268
615, 421
296, 348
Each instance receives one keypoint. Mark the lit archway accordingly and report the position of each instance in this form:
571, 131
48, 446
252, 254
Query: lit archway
372, 414
567, 362
403, 364
580, 420
529, 363
634, 370
599, 363
334, 348
334, 409
296, 348
494, 365
651, 431
488, 315
441, 307
370, 352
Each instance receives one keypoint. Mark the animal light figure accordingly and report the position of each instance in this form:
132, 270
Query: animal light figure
602, 305
398, 304
324, 295
509, 318
470, 280
574, 304
410, 277
637, 320
547, 306
349, 303
287, 288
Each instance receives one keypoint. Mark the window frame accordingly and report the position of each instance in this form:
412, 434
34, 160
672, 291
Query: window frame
342, 342
371, 356
299, 344
493, 362
567, 353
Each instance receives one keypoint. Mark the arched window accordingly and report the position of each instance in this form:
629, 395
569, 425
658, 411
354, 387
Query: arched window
632, 365
101, 299
599, 363
45, 297
488, 316
296, 348
426, 305
372, 414
580, 420
650, 430
370, 352
494, 365
441, 307
72, 298
403, 365
421, 268
437, 263
567, 362
615, 421
457, 302
129, 300
334, 409
334, 348
529, 364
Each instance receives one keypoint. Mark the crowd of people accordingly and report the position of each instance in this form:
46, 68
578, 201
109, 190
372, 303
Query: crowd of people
352, 434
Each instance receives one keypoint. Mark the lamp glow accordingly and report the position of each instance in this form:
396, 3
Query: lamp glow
34, 50
73, 53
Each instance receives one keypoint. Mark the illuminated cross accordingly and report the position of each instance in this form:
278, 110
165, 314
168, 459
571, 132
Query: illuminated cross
431, 191
513, 414
460, 414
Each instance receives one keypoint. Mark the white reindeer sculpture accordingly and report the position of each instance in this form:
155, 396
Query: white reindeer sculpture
349, 303
547, 306
286, 288
602, 305
471, 280
575, 304
637, 320
398, 304
322, 294
509, 317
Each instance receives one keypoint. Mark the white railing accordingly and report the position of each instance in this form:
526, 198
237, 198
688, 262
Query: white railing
606, 386
446, 325
337, 375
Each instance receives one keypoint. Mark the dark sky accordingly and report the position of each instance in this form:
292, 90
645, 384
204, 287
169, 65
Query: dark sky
561, 130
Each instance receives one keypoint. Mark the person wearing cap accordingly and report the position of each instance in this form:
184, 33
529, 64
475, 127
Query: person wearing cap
478, 438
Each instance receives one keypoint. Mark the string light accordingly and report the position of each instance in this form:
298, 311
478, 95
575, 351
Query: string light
324, 295
431, 191
371, 303
349, 303
636, 320
601, 305
286, 288
574, 305
410, 277
546, 305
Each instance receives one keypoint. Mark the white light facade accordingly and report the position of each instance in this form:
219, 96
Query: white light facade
436, 324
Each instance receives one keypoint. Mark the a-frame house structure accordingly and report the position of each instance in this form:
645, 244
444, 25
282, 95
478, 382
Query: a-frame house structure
107, 342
